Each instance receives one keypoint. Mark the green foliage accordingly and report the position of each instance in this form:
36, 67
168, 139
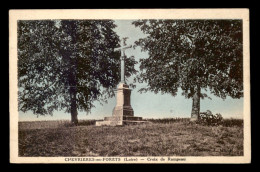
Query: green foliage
192, 53
207, 118
67, 64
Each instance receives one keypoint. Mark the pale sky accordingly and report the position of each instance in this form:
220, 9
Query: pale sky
149, 105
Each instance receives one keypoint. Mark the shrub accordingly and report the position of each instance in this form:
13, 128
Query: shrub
207, 118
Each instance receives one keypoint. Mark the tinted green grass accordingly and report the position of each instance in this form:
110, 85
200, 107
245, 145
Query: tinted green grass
158, 138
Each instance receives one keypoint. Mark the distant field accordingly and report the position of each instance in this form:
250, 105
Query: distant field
160, 137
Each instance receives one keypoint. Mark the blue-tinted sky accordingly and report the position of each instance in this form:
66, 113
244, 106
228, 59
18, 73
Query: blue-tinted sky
149, 105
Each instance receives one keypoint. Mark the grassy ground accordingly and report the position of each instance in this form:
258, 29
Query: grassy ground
157, 138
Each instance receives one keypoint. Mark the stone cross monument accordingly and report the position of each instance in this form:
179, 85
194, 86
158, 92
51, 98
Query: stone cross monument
123, 57
123, 112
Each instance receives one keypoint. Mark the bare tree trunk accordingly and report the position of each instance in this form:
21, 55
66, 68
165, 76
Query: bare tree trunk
195, 112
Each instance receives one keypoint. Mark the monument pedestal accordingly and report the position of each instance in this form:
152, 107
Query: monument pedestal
123, 112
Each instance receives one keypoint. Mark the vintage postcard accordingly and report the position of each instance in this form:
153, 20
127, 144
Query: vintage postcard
129, 86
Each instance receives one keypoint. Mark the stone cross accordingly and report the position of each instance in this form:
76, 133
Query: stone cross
122, 48
123, 112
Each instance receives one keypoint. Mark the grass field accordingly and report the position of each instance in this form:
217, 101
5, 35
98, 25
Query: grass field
176, 137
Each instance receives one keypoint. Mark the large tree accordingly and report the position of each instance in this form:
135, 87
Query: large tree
67, 65
193, 55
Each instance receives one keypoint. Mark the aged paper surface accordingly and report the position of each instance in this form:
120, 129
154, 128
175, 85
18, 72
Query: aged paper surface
133, 14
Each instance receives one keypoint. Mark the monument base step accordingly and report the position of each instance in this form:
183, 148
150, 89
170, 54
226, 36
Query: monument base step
119, 120
128, 122
109, 123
